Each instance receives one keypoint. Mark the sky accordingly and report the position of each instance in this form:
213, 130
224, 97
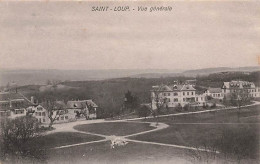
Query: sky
68, 35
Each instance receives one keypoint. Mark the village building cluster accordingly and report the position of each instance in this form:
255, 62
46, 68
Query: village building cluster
14, 104
183, 94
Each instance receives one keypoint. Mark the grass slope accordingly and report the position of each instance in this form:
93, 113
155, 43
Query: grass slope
114, 128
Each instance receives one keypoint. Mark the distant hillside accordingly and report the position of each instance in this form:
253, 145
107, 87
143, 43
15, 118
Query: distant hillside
40, 77
194, 73
207, 71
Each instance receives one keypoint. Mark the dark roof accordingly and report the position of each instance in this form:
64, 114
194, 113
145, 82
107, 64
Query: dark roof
214, 90
13, 100
185, 87
81, 104
56, 105
7, 96
76, 104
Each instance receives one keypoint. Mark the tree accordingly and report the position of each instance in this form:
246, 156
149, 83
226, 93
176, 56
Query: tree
178, 107
16, 139
239, 98
54, 110
144, 111
131, 101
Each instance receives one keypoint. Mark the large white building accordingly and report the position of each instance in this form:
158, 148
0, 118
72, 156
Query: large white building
174, 95
235, 85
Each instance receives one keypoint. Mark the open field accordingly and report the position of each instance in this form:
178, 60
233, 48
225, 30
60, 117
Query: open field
131, 153
64, 138
114, 128
220, 130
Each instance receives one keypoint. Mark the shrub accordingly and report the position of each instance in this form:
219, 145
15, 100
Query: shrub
186, 107
16, 140
143, 111
178, 108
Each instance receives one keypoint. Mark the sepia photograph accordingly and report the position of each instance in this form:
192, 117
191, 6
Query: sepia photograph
129, 82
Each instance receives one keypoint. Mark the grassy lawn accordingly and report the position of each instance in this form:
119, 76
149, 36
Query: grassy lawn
131, 153
241, 138
64, 138
230, 115
115, 128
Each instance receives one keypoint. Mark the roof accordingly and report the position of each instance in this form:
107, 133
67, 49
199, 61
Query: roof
215, 90
55, 104
76, 104
90, 102
238, 84
185, 87
13, 100
81, 104
7, 96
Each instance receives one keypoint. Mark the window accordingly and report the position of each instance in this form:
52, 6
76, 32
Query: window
169, 94
164, 94
175, 100
188, 93
58, 118
40, 113
201, 98
39, 108
183, 99
66, 117
191, 93
43, 113
175, 94
196, 98
40, 120
62, 117
43, 120
183, 93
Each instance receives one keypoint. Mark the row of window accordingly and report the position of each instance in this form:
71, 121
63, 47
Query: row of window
184, 99
19, 111
62, 118
41, 120
176, 94
216, 95
40, 114
5, 113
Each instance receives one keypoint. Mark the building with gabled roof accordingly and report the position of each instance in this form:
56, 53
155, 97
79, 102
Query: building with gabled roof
235, 85
174, 95
83, 108
215, 93
13, 104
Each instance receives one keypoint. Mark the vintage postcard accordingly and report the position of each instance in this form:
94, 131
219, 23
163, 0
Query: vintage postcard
129, 82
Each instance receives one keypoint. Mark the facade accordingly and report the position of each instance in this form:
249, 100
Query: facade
82, 109
234, 86
215, 93
13, 104
174, 95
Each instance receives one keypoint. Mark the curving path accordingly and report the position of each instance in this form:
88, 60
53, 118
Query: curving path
68, 127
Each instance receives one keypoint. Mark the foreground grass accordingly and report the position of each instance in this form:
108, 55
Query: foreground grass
115, 128
64, 138
131, 153
222, 130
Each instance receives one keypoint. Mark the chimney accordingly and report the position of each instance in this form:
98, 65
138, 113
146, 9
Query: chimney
32, 99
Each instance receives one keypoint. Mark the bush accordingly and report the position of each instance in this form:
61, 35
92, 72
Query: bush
16, 140
214, 105
179, 108
186, 107
143, 111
